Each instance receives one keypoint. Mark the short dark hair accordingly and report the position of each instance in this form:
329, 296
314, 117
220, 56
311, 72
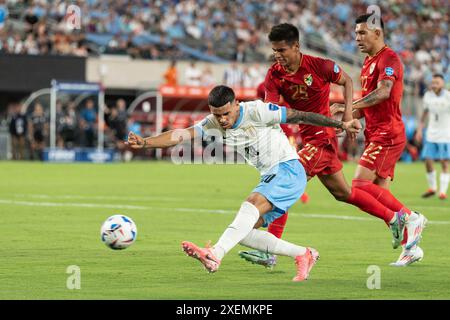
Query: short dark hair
438, 75
284, 32
363, 18
220, 96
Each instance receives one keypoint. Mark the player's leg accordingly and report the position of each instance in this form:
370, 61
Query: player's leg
284, 191
305, 257
264, 258
338, 187
431, 179
444, 180
367, 180
249, 213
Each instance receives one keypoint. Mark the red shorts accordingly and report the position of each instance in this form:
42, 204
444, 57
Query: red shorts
381, 156
320, 157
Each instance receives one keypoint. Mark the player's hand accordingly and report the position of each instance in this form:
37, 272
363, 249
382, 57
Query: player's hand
337, 113
337, 108
352, 127
418, 136
135, 141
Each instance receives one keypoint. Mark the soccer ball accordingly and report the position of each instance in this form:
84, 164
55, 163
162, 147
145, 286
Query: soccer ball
118, 232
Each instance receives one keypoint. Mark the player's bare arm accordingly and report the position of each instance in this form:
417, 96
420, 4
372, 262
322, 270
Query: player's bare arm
346, 81
164, 140
421, 125
301, 117
381, 93
340, 107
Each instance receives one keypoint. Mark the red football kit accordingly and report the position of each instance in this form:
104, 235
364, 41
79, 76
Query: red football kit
308, 90
385, 132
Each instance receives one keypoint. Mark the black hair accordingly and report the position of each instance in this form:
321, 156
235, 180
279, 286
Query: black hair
284, 32
363, 18
220, 96
438, 75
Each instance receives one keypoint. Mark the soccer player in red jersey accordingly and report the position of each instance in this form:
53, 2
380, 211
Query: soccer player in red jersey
303, 82
382, 89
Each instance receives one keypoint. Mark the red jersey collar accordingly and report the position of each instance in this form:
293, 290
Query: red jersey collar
285, 73
378, 53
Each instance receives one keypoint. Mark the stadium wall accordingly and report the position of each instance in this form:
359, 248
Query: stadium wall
26, 73
120, 72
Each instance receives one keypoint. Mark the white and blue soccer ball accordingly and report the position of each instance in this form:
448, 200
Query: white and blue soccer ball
118, 232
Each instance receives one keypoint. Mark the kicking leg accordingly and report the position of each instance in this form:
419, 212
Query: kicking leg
255, 206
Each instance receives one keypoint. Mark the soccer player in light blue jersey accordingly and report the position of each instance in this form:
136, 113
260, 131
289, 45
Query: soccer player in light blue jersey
253, 128
436, 146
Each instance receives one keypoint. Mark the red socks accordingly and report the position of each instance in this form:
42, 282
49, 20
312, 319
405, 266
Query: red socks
369, 204
277, 226
382, 195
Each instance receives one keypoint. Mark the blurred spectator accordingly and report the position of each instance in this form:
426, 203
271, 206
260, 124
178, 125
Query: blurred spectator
117, 129
233, 76
3, 14
171, 74
193, 75
18, 131
38, 132
207, 77
70, 126
88, 123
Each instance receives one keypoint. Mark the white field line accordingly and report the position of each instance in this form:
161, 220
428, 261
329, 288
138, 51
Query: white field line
146, 198
181, 209
150, 198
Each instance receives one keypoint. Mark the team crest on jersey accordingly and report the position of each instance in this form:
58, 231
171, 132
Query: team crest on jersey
308, 79
372, 67
389, 71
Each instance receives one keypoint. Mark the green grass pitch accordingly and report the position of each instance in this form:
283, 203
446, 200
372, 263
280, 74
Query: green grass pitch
51, 216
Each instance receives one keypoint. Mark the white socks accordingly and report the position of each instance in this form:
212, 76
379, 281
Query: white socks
242, 224
267, 242
444, 179
431, 178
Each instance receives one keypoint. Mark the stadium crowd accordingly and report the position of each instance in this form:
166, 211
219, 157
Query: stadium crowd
233, 30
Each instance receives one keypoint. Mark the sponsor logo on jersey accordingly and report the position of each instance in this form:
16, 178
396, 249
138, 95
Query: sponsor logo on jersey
372, 67
308, 79
389, 71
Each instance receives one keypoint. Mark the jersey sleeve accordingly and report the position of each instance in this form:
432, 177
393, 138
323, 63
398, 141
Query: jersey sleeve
389, 67
271, 91
269, 113
329, 70
204, 125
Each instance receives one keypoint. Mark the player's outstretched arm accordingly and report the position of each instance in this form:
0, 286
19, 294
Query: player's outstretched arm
164, 140
315, 119
381, 93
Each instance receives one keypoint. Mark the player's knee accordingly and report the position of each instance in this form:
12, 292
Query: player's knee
341, 195
360, 183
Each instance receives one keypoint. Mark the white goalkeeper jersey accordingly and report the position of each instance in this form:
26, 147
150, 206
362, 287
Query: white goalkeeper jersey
256, 135
438, 107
